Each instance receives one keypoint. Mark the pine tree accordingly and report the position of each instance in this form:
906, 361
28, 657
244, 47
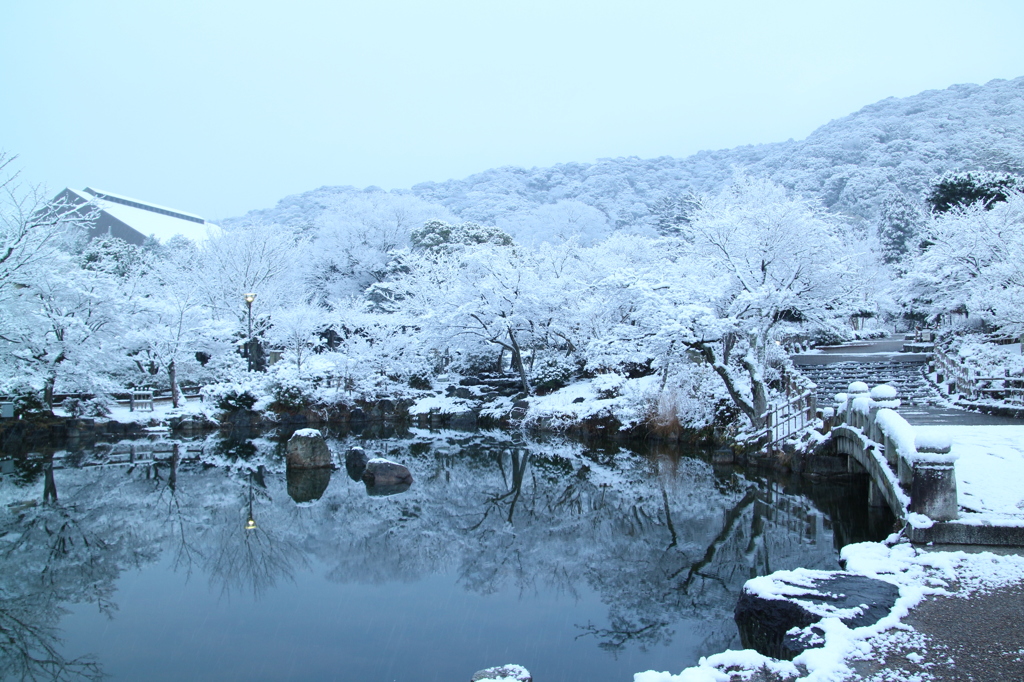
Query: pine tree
899, 222
961, 189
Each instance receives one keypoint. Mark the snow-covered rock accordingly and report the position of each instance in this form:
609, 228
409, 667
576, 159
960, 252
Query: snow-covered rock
503, 673
307, 450
384, 472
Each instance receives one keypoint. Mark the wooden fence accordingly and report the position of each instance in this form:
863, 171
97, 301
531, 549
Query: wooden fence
789, 415
963, 379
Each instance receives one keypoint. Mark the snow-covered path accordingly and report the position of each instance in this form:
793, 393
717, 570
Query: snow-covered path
989, 472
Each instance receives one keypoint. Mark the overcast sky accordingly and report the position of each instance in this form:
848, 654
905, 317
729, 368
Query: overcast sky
220, 107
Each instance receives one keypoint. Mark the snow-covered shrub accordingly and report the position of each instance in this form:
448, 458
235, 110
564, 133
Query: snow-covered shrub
290, 391
97, 406
474, 361
27, 397
690, 399
73, 406
830, 334
608, 385
420, 382
100, 405
552, 372
229, 396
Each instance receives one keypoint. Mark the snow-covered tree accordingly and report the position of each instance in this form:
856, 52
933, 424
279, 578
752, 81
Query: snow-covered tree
557, 222
973, 263
266, 260
171, 322
899, 223
357, 237
773, 259
437, 236
297, 330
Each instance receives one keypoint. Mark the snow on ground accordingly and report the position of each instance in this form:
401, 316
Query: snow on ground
162, 410
989, 472
586, 399
917, 573
441, 405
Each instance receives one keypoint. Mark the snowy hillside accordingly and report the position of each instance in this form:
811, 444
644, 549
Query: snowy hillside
846, 163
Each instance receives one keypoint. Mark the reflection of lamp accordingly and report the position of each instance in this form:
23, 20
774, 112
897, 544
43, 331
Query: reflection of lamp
251, 523
249, 298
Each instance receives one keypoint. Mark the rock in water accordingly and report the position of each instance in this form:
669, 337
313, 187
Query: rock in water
384, 472
355, 463
307, 450
503, 673
772, 605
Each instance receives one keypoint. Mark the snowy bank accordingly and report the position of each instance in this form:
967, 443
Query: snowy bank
917, 573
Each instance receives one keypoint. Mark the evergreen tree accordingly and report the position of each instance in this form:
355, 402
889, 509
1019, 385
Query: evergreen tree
899, 221
670, 214
961, 189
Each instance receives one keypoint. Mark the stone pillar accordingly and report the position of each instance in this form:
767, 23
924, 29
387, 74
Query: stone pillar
890, 451
933, 492
905, 471
855, 390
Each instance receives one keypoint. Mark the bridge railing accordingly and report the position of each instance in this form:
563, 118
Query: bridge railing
788, 416
913, 469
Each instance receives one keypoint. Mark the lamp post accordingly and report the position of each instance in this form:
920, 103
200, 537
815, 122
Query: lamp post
251, 523
249, 298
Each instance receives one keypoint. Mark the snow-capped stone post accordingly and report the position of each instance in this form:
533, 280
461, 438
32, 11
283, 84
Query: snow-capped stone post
856, 390
933, 486
307, 450
883, 396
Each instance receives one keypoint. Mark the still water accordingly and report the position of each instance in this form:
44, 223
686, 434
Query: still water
164, 559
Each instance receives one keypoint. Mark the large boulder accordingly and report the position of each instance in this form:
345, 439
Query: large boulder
384, 477
355, 463
770, 607
503, 673
307, 450
380, 471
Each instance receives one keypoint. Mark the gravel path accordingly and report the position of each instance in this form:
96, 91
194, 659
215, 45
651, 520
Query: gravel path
977, 638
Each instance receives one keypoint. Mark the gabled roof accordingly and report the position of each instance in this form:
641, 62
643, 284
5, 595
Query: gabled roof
146, 206
146, 218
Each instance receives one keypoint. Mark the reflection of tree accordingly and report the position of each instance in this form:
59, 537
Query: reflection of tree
660, 542
29, 642
52, 554
250, 558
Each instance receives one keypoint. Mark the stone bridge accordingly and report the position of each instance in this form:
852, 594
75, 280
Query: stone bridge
911, 471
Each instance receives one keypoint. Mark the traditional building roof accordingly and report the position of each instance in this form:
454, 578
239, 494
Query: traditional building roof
133, 220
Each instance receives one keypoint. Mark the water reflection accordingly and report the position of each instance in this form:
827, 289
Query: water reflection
663, 542
307, 485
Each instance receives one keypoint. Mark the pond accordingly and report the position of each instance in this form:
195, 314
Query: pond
163, 559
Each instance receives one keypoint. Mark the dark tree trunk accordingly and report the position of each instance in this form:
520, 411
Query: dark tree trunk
517, 362
172, 373
49, 485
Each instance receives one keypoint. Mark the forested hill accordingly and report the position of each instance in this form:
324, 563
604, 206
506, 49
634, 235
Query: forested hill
847, 163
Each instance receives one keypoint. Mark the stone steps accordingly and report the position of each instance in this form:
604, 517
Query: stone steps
907, 377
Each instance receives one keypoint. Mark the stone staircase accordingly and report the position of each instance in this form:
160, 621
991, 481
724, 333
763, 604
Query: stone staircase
907, 377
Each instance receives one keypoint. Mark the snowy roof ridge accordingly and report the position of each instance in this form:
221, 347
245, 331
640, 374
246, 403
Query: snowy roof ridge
144, 205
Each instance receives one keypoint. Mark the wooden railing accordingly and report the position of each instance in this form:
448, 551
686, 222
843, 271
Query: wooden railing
963, 379
789, 415
140, 400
